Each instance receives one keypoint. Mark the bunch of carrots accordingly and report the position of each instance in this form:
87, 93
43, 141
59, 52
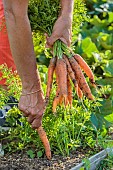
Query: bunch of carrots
68, 67
65, 65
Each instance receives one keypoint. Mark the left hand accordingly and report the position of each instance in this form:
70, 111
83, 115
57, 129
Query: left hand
62, 30
33, 107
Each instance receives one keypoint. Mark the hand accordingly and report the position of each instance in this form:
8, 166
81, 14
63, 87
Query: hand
62, 30
33, 106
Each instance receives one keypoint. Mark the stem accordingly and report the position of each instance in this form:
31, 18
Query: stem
57, 49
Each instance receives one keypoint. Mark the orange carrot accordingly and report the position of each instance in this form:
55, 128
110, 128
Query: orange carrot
51, 69
80, 79
58, 91
70, 71
86, 68
61, 71
70, 97
44, 139
57, 100
79, 92
58, 87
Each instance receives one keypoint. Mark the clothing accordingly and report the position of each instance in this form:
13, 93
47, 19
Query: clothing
5, 52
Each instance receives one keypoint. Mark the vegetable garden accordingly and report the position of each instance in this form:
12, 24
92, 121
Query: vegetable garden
76, 124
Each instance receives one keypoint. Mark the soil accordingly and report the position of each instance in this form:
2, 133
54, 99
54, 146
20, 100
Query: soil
22, 162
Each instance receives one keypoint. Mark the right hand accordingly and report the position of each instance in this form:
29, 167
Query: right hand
62, 30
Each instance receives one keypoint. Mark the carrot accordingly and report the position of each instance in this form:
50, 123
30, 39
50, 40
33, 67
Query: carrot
80, 78
86, 68
51, 69
57, 100
44, 139
58, 87
60, 97
58, 90
55, 103
70, 97
70, 71
79, 92
61, 71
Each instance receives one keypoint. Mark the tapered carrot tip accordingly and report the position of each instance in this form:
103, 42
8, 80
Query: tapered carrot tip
45, 141
55, 103
91, 97
93, 83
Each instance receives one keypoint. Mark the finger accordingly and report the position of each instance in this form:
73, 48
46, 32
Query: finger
30, 119
64, 40
26, 114
24, 110
47, 46
35, 115
46, 35
36, 123
52, 39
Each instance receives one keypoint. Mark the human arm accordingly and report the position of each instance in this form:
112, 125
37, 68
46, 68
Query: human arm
20, 37
63, 26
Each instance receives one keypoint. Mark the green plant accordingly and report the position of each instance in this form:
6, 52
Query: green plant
107, 163
67, 130
87, 164
87, 124
42, 18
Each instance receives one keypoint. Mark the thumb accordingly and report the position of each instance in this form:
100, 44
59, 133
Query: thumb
52, 39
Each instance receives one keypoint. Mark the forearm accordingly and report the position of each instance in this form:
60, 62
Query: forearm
22, 50
67, 7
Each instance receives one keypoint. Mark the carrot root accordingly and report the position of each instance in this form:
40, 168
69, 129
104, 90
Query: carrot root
85, 68
80, 78
51, 69
44, 139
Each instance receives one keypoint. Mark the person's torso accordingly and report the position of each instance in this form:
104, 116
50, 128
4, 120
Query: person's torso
1, 10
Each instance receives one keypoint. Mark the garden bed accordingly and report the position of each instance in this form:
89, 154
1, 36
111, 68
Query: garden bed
22, 162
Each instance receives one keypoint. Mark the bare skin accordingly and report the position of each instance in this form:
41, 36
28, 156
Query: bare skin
63, 27
32, 102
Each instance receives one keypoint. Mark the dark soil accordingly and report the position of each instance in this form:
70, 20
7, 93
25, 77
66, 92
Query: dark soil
22, 162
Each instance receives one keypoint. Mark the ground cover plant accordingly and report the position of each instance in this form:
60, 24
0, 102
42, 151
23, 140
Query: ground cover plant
67, 131
87, 124
107, 163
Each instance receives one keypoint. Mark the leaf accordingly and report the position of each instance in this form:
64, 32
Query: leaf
82, 168
109, 68
88, 47
31, 153
97, 57
107, 107
94, 120
110, 17
39, 154
98, 22
105, 81
98, 118
43, 60
109, 118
